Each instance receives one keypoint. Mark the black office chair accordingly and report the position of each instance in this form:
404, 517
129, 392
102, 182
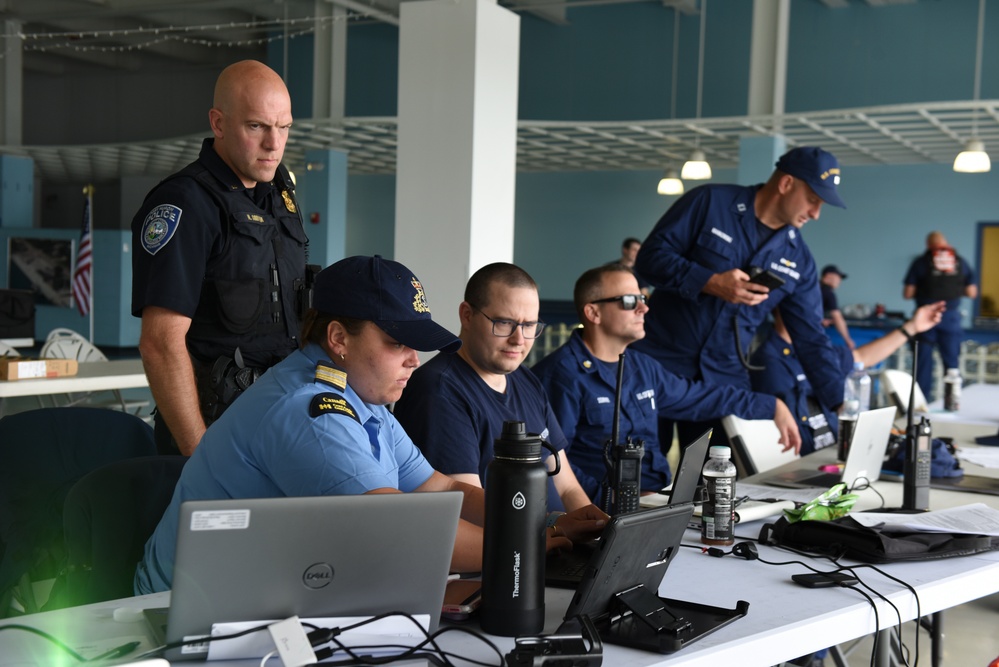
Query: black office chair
108, 516
42, 454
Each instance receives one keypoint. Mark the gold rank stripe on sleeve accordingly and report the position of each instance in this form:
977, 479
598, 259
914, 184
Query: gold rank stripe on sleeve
331, 375
332, 404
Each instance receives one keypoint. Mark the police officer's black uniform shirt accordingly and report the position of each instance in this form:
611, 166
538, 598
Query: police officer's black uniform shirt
229, 258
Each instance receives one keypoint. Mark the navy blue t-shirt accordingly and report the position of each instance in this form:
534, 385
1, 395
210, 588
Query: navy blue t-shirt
454, 417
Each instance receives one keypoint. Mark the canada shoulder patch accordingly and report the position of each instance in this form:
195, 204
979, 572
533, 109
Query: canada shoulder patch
332, 404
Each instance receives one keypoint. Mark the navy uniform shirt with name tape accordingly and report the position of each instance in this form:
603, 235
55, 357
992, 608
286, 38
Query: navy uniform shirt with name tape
713, 229
783, 377
582, 388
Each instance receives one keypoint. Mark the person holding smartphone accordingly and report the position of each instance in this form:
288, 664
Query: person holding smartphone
706, 308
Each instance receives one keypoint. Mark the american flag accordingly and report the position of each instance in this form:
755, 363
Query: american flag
83, 272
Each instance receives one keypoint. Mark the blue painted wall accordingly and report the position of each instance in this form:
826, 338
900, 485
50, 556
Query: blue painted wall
868, 56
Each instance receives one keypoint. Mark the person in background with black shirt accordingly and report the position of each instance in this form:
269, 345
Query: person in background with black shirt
939, 274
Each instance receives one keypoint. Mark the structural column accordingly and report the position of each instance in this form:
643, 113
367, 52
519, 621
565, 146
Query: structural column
768, 57
324, 205
11, 85
767, 86
456, 170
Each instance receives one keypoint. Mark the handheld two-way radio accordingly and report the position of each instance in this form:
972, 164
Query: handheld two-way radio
918, 451
624, 461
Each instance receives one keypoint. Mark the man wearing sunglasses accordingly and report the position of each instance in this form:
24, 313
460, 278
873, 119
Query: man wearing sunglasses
581, 380
454, 406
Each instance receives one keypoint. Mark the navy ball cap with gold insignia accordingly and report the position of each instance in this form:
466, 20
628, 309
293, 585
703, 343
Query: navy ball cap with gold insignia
386, 293
818, 168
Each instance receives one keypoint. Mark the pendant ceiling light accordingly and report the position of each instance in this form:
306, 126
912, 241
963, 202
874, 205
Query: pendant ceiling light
973, 159
696, 168
670, 183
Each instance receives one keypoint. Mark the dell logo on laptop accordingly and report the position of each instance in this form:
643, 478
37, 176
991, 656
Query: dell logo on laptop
318, 575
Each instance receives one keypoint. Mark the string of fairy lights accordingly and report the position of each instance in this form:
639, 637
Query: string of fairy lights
95, 41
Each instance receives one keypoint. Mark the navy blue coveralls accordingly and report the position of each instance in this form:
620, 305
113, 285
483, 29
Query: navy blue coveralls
782, 376
713, 229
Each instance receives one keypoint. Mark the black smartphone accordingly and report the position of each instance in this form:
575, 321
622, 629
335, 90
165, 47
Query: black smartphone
765, 277
461, 599
824, 579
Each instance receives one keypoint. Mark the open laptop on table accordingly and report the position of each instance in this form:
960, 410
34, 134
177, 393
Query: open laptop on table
567, 570
863, 460
315, 557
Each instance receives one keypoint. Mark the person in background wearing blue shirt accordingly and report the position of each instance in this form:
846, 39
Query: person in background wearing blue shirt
316, 423
455, 406
939, 274
829, 282
780, 374
705, 310
581, 380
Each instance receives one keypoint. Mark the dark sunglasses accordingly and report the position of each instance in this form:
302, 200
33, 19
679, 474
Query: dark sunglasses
628, 301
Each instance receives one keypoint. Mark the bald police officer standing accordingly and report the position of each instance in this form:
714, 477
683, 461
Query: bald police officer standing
220, 263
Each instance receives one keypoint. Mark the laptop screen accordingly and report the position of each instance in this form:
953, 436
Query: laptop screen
270, 558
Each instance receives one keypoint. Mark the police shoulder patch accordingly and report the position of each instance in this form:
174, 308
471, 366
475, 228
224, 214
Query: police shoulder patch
159, 227
335, 404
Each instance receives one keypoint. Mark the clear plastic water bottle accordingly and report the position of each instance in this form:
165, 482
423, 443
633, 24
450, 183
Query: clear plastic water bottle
952, 390
856, 399
513, 557
718, 512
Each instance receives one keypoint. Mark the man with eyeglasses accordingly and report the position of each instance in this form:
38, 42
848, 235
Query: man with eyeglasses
581, 380
454, 405
707, 306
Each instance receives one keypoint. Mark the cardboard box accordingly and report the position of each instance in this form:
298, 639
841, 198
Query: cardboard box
30, 369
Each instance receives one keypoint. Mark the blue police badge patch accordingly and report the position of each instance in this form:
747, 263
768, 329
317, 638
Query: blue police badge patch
159, 227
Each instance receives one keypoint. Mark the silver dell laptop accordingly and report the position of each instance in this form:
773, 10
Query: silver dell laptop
315, 557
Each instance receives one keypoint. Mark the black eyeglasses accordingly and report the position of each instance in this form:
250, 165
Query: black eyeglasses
628, 301
505, 328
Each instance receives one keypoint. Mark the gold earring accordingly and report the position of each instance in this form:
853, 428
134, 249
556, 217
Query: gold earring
342, 358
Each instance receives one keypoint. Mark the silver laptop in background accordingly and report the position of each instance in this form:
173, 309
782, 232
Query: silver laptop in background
314, 557
863, 460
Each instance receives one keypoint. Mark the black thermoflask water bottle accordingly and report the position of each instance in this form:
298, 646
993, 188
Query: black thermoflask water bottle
513, 558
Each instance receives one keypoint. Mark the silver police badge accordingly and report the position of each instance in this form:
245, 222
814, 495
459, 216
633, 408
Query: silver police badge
159, 227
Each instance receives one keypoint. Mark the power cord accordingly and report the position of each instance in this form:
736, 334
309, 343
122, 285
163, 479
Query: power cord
747, 549
864, 484
440, 656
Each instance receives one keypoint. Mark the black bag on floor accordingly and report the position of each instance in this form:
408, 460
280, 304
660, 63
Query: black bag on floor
847, 538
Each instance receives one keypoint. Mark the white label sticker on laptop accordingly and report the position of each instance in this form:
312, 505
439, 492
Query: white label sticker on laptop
221, 520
